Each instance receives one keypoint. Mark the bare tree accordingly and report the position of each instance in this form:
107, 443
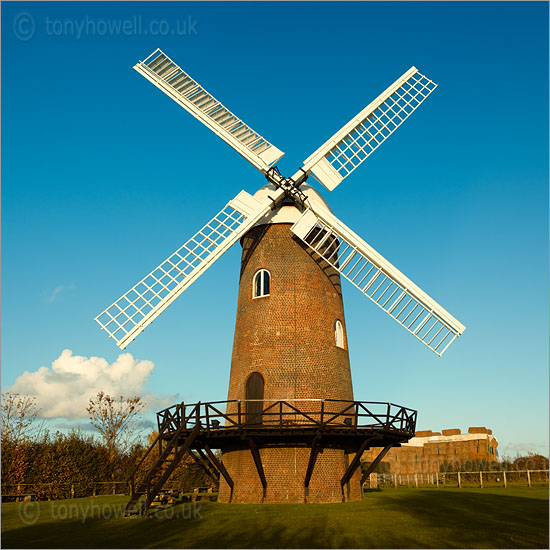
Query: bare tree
115, 419
19, 416
19, 427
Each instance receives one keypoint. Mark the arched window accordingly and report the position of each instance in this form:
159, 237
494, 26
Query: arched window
262, 281
339, 334
254, 398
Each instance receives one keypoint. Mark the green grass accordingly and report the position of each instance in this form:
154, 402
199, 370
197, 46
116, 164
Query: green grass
392, 518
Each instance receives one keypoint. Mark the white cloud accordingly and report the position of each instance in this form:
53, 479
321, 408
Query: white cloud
513, 449
54, 295
65, 389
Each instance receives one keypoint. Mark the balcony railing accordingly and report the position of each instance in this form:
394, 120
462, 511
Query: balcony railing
235, 415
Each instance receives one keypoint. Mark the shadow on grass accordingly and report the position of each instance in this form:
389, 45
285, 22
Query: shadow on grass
208, 525
476, 519
385, 519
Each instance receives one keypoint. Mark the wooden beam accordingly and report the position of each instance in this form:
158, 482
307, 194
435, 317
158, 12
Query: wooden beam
346, 464
311, 463
258, 462
375, 463
354, 463
207, 460
179, 453
221, 468
204, 464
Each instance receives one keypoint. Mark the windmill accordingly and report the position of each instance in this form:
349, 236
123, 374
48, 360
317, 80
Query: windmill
290, 339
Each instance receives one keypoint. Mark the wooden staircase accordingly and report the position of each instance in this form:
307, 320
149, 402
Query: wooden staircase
169, 457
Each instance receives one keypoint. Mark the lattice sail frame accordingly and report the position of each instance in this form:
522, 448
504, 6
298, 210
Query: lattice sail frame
159, 69
340, 155
142, 304
330, 164
378, 279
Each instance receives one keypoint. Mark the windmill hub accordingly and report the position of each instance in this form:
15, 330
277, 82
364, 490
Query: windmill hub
289, 210
290, 186
290, 392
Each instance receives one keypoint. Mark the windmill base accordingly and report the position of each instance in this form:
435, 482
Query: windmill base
285, 452
285, 470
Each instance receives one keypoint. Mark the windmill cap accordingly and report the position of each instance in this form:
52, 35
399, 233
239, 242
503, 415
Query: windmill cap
288, 213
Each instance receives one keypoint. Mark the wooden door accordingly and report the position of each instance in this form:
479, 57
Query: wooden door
254, 390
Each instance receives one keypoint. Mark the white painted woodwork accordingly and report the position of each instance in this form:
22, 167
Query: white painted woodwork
325, 234
143, 303
348, 148
159, 69
378, 279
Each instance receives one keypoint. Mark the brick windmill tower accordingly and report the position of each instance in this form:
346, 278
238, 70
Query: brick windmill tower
290, 429
290, 344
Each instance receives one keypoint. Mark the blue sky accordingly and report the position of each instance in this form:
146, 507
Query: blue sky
103, 177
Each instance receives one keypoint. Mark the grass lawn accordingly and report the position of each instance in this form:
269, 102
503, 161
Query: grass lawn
515, 517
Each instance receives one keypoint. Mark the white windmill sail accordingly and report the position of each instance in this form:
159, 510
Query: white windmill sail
340, 155
143, 303
184, 90
378, 279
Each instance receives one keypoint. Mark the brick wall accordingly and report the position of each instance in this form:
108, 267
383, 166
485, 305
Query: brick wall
285, 470
288, 337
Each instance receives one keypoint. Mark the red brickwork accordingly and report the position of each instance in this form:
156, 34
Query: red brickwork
285, 470
288, 337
